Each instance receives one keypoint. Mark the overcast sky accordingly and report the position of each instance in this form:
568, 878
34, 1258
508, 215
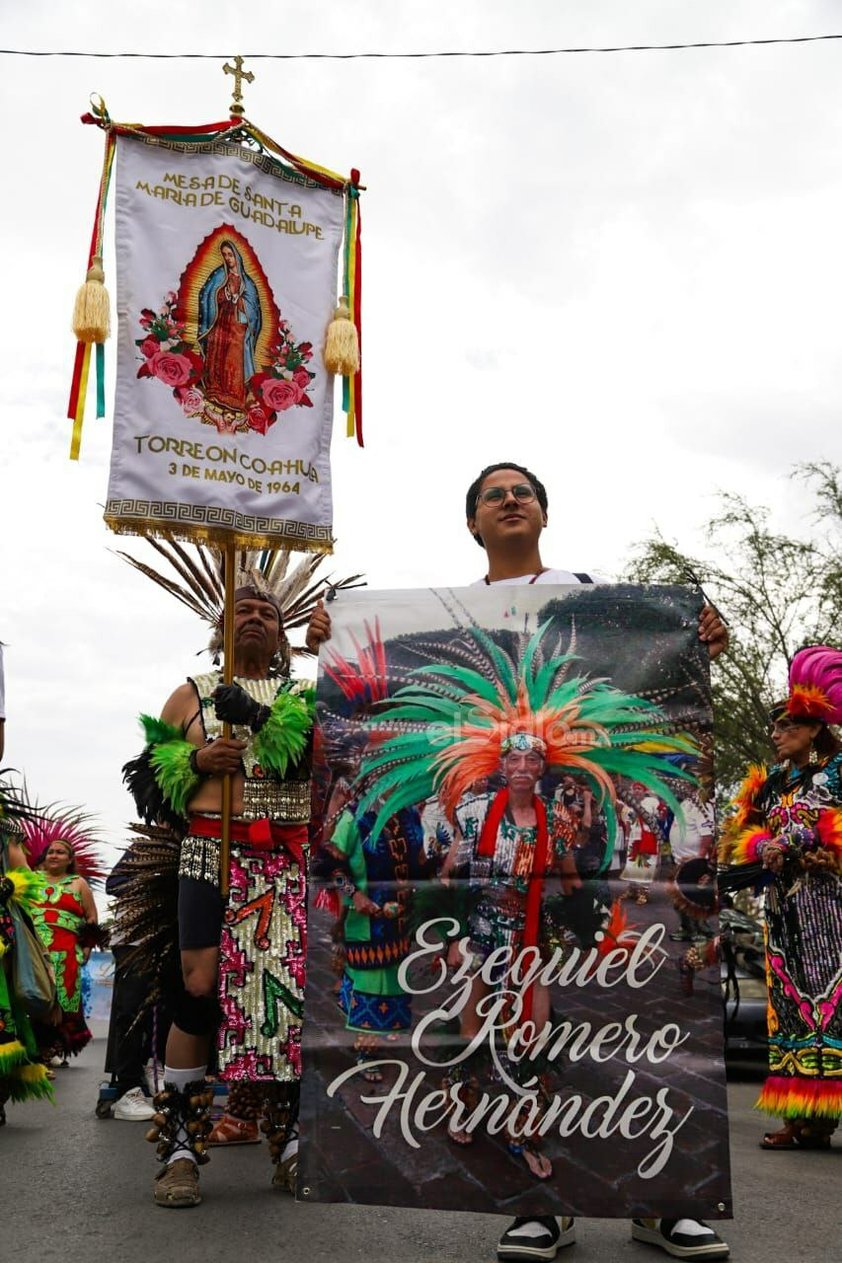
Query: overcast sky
622, 271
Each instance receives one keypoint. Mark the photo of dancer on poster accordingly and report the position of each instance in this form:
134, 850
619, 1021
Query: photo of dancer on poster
545, 1045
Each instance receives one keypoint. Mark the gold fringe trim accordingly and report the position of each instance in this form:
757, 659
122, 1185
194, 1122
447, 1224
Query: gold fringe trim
216, 538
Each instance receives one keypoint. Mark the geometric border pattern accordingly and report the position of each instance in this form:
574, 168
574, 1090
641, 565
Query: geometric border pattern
214, 524
263, 161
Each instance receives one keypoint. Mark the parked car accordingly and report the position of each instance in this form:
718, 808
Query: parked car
743, 975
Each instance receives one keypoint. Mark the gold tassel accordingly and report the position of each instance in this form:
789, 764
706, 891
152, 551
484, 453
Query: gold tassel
91, 311
342, 345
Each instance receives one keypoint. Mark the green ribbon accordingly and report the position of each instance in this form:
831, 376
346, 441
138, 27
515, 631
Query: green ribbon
100, 379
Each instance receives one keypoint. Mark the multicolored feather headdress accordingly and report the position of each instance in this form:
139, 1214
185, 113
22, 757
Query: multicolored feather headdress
202, 582
450, 726
815, 685
366, 681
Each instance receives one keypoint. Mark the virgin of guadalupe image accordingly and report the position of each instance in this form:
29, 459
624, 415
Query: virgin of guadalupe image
229, 325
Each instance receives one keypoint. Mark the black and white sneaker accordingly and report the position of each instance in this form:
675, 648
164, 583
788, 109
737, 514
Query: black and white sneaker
535, 1237
682, 1238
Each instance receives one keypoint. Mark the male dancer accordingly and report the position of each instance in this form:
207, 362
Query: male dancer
241, 961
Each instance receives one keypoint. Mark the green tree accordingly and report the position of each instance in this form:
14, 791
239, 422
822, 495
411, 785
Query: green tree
776, 593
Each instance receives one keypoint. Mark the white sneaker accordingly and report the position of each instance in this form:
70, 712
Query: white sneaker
681, 1238
133, 1106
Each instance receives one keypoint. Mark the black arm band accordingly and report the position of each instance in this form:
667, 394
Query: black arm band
194, 765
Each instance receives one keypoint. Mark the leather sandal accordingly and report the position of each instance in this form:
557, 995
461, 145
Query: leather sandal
796, 1136
520, 1149
229, 1130
815, 1133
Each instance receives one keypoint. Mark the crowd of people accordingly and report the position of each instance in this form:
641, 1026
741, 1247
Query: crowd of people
509, 813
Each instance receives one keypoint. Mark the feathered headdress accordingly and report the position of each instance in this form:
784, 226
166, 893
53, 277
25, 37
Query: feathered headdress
365, 681
451, 724
202, 582
72, 826
815, 685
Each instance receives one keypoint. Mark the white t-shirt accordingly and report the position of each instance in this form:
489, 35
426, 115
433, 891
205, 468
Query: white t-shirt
438, 831
686, 844
549, 576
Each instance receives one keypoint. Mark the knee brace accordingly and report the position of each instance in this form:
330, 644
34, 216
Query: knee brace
196, 1015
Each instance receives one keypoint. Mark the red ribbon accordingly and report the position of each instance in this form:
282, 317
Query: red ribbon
487, 847
358, 318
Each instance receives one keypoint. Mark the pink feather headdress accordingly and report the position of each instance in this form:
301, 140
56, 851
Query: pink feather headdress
76, 829
815, 685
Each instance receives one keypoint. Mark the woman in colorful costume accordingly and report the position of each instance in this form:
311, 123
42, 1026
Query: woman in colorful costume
22, 1076
66, 920
788, 826
373, 873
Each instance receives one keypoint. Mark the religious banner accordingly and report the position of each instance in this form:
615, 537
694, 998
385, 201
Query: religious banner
226, 283
230, 333
513, 1000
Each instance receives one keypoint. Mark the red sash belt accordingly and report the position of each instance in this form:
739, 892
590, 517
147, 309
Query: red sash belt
260, 835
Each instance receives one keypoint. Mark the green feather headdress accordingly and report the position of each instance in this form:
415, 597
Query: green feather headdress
447, 726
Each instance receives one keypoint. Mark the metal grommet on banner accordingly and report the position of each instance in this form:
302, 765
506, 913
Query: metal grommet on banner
305, 1192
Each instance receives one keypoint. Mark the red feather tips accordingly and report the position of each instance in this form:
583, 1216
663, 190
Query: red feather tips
744, 847
829, 831
815, 685
745, 797
808, 702
617, 933
785, 1097
329, 900
365, 681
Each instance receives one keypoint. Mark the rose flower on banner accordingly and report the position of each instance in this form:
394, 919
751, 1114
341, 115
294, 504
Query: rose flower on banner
255, 401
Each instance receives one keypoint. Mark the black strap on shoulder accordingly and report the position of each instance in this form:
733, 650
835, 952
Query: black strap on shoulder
192, 720
582, 577
199, 713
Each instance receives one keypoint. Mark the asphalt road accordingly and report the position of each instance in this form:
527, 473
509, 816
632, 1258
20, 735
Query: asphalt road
74, 1187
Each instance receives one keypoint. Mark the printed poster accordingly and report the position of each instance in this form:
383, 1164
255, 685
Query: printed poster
513, 1000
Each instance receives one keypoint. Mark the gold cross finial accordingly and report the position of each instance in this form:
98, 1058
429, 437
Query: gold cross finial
236, 111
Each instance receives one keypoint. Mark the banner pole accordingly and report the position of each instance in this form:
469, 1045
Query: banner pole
227, 678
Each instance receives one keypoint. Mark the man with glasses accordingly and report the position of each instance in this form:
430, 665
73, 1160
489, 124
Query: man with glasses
506, 511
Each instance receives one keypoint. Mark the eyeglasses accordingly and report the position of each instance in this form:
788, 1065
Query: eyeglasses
522, 492
784, 725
